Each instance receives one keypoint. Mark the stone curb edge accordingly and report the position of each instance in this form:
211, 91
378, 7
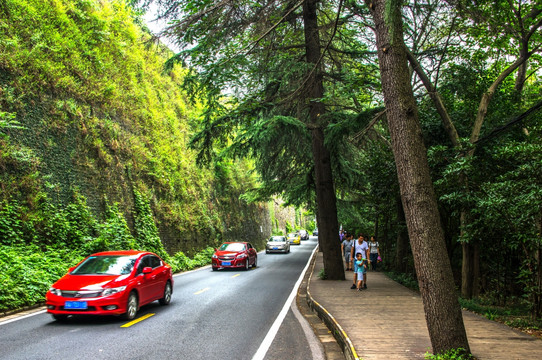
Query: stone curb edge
340, 335
20, 310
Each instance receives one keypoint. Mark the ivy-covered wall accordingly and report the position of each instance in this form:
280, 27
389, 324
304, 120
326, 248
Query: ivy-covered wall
88, 110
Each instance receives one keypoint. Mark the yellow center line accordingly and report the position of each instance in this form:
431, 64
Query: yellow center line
201, 291
236, 275
137, 320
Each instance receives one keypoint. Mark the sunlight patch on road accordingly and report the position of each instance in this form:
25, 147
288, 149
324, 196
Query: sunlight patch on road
137, 320
201, 291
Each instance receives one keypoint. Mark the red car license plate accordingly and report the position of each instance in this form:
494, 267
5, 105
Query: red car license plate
226, 263
75, 305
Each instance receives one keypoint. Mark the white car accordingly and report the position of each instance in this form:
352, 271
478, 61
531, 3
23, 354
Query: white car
277, 244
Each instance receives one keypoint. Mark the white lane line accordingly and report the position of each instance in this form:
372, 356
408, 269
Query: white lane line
266, 343
317, 349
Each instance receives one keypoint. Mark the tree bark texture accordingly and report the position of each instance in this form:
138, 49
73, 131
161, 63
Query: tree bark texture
328, 227
470, 267
442, 310
401, 243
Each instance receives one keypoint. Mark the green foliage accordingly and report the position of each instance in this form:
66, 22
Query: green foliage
289, 227
310, 225
180, 262
452, 354
7, 121
11, 225
28, 272
515, 314
110, 109
114, 234
322, 274
146, 230
523, 323
407, 280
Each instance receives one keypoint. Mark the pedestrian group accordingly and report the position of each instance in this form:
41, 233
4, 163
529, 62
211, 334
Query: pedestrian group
358, 256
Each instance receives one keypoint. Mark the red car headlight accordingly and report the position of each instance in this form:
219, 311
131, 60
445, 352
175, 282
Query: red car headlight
241, 256
111, 291
55, 291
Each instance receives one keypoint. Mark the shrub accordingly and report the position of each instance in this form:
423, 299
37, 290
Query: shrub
453, 354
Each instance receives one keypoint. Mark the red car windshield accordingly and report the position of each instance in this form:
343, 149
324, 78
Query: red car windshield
232, 247
106, 265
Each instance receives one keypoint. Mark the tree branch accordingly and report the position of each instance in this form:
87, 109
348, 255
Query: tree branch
437, 100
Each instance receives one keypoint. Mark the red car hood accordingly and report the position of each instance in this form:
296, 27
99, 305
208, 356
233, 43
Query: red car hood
89, 282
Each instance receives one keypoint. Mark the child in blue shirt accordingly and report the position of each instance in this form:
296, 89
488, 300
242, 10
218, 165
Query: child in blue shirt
359, 267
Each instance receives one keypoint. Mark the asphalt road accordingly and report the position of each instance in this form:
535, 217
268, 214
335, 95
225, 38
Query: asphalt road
212, 315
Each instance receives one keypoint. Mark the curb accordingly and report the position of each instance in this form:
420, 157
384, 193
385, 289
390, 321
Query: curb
332, 349
20, 310
340, 335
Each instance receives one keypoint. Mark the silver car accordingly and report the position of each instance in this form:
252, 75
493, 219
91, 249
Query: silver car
277, 244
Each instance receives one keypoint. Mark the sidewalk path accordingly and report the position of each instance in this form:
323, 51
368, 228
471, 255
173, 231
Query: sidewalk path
387, 321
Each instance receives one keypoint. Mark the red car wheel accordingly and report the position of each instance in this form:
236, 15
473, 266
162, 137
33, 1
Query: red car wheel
131, 307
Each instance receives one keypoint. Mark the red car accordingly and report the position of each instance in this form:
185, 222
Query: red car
235, 255
111, 283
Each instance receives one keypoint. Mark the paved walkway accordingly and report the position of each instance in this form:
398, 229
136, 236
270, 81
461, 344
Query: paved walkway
387, 321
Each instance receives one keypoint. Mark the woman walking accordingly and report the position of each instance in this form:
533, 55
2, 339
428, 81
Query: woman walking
374, 252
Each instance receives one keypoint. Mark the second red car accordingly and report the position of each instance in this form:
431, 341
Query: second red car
235, 255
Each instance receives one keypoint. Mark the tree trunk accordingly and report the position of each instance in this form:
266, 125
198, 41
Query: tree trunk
375, 231
401, 244
442, 310
536, 311
328, 227
385, 239
467, 271
476, 270
522, 70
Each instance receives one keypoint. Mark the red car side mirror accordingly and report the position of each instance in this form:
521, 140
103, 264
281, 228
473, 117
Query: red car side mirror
147, 270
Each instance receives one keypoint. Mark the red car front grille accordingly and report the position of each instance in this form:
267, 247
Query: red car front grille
80, 294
